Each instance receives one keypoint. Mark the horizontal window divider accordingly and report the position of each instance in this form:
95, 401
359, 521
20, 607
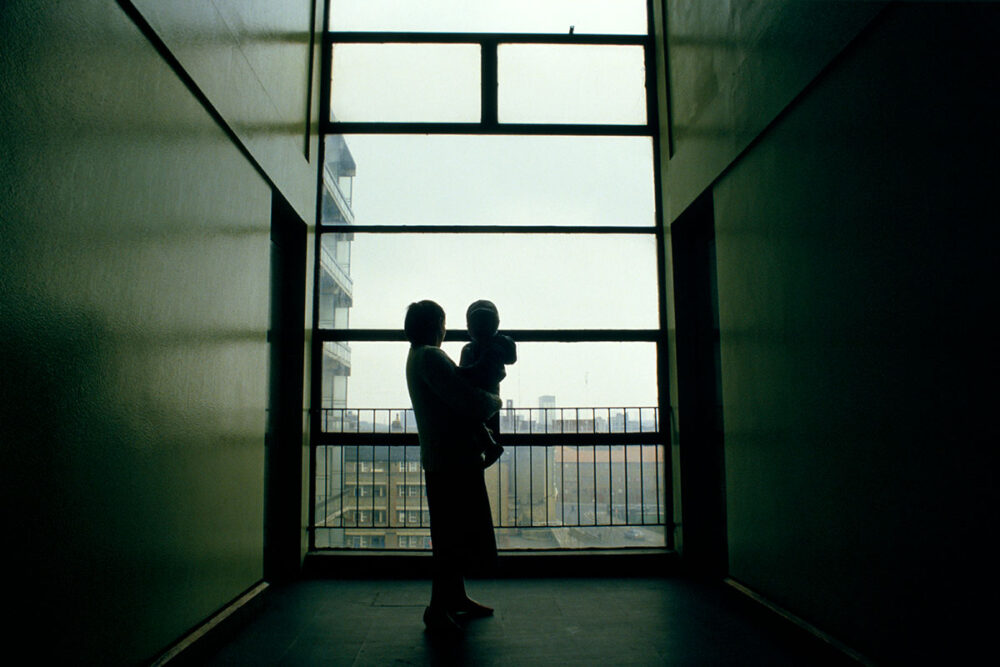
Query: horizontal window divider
381, 37
342, 127
519, 335
583, 439
484, 229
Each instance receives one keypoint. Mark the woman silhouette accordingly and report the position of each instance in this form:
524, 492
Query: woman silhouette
449, 413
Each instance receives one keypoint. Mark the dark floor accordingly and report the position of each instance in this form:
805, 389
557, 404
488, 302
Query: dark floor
578, 621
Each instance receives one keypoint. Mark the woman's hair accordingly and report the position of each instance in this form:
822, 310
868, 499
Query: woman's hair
423, 322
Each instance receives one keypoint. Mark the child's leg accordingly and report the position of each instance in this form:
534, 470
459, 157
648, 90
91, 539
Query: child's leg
493, 450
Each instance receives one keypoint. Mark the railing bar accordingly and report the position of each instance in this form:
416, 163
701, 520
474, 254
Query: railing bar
499, 520
562, 484
406, 500
593, 454
545, 481
326, 490
579, 521
343, 483
611, 491
659, 516
531, 485
625, 457
515, 486
642, 484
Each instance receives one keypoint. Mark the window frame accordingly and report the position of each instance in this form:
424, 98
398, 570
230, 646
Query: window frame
490, 125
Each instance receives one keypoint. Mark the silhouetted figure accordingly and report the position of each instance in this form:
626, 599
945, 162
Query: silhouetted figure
449, 411
482, 362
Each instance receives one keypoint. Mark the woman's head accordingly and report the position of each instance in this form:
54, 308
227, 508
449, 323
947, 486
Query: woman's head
424, 323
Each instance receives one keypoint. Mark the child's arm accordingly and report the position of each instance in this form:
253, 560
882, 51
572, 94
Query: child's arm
468, 355
506, 349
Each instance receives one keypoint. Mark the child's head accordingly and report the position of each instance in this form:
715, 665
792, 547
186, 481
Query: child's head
482, 319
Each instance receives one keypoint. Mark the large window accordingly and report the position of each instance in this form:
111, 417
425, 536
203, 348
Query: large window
501, 151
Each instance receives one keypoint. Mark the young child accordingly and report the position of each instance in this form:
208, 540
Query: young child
482, 363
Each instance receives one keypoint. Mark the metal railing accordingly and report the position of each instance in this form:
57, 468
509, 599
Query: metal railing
542, 421
608, 486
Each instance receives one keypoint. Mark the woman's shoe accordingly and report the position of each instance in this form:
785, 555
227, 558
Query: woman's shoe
439, 621
469, 608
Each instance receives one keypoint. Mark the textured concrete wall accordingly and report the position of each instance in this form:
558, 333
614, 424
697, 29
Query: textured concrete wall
856, 275
733, 66
133, 313
251, 58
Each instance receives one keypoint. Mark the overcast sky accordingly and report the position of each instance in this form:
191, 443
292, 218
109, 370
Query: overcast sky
543, 16
587, 281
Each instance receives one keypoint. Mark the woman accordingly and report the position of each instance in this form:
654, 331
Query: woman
449, 413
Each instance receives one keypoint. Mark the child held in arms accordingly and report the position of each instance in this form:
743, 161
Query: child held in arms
482, 363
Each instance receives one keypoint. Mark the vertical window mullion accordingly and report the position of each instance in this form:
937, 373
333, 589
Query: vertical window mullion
489, 83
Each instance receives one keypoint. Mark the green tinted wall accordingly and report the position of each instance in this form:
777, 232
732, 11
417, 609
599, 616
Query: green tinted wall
134, 246
257, 61
856, 272
733, 65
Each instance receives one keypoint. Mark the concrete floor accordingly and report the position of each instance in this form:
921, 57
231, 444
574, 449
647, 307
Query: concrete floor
577, 621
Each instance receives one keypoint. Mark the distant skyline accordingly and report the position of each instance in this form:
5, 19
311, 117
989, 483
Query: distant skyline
577, 374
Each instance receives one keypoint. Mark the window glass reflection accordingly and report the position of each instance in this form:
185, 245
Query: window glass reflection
493, 180
623, 17
405, 82
566, 387
546, 83
537, 281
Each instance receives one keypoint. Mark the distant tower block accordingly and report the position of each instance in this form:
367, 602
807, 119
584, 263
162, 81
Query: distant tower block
549, 414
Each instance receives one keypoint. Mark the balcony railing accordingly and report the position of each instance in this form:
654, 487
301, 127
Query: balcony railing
568, 478
547, 421
343, 202
341, 352
337, 273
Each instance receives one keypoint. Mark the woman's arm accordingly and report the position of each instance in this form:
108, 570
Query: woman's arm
443, 378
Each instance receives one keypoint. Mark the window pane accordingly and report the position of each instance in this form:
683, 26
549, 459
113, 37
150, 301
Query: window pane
624, 17
546, 83
405, 82
553, 496
614, 384
336, 287
495, 180
338, 182
537, 281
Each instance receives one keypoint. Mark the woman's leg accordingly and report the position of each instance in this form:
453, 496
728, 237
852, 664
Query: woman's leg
477, 547
447, 584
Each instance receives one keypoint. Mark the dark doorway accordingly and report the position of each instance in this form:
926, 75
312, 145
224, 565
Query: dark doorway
284, 447
699, 389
